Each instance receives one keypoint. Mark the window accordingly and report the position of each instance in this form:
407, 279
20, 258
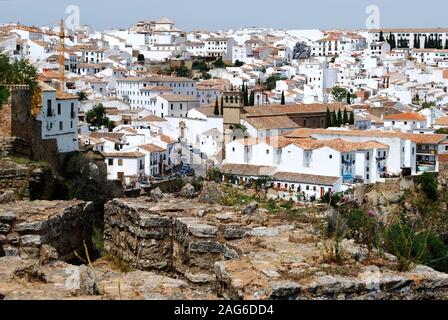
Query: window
61, 125
172, 106
49, 112
267, 151
59, 108
120, 162
413, 150
331, 156
111, 162
314, 188
233, 149
307, 188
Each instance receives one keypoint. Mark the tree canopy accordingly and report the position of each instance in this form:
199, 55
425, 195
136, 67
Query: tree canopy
16, 72
97, 117
341, 94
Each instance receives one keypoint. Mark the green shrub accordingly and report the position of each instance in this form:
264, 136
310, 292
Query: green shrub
408, 245
429, 184
435, 251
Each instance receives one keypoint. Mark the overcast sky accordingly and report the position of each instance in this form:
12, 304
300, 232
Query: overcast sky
230, 14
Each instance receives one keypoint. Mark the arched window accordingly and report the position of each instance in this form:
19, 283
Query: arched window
236, 99
227, 100
231, 99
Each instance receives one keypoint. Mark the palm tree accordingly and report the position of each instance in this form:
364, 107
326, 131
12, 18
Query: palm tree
82, 96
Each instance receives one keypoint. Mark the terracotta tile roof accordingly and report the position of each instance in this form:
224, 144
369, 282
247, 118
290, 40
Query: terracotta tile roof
130, 130
151, 118
113, 136
155, 79
66, 96
167, 139
123, 155
157, 88
179, 98
306, 178
207, 110
247, 170
152, 148
443, 158
293, 109
415, 137
212, 132
443, 121
271, 122
410, 116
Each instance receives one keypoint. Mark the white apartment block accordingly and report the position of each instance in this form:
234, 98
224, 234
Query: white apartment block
59, 117
134, 90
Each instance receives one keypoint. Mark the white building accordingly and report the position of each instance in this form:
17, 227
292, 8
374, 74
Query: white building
59, 117
133, 90
406, 122
125, 166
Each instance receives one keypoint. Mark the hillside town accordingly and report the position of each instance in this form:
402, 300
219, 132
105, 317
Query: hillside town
224, 161
315, 111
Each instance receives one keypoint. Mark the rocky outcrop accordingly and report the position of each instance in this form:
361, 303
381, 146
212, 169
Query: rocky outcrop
23, 279
170, 236
187, 191
28, 228
211, 193
254, 256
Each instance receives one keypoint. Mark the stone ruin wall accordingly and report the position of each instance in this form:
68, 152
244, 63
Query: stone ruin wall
238, 256
171, 241
63, 225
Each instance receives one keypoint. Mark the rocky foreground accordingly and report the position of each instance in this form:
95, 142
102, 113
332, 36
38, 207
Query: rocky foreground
179, 248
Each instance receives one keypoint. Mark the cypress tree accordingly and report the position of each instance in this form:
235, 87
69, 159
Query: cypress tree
216, 111
349, 97
352, 118
345, 117
334, 119
283, 102
222, 105
252, 98
394, 42
245, 98
328, 119
339, 118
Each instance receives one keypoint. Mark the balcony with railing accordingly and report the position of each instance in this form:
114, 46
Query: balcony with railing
427, 149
